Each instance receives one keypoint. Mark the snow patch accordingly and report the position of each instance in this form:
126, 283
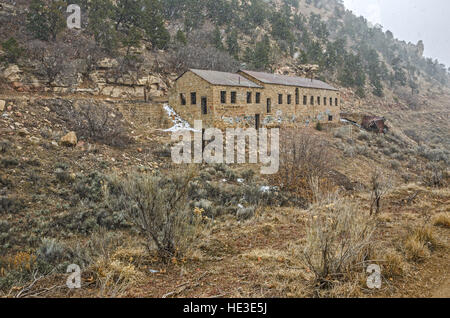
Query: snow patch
179, 123
267, 189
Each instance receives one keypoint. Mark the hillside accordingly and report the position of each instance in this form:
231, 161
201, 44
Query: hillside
222, 230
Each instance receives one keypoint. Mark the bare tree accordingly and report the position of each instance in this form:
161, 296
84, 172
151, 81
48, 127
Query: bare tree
304, 160
51, 58
380, 185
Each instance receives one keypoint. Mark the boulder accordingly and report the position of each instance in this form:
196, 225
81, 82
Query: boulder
23, 132
12, 73
107, 63
69, 140
2, 105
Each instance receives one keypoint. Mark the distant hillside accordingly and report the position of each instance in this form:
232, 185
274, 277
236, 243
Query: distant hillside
223, 34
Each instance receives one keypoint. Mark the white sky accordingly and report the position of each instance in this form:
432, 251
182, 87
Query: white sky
411, 20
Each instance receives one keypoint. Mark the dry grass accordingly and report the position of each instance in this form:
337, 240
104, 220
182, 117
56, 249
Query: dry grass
442, 219
419, 242
394, 264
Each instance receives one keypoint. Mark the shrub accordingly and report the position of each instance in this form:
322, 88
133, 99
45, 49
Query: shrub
9, 162
90, 186
51, 251
10, 205
245, 213
364, 136
158, 207
338, 238
395, 164
62, 175
349, 151
13, 51
248, 174
362, 150
434, 175
380, 184
5, 145
94, 121
302, 157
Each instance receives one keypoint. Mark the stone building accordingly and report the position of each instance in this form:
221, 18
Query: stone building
253, 99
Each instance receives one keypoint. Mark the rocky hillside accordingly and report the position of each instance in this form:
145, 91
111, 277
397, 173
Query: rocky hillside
85, 156
134, 59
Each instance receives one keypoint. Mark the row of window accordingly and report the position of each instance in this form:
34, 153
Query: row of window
233, 98
312, 100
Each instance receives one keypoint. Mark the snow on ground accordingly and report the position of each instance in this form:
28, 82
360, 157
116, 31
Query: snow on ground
179, 123
267, 189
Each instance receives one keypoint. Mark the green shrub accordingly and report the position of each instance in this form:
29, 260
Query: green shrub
5, 145
12, 51
319, 126
51, 251
10, 205
9, 162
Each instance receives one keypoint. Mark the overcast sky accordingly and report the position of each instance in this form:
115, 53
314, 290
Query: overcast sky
411, 20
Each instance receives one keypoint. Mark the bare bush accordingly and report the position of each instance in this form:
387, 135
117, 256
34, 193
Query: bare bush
210, 58
434, 175
158, 207
51, 58
200, 54
338, 239
303, 157
94, 121
380, 184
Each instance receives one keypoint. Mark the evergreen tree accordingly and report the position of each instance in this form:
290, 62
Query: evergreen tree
105, 34
261, 58
181, 37
153, 24
13, 51
217, 39
232, 44
45, 21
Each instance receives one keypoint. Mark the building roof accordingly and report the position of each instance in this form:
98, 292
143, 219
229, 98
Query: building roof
267, 78
226, 79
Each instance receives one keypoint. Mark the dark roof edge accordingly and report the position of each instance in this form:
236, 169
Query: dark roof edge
213, 84
328, 89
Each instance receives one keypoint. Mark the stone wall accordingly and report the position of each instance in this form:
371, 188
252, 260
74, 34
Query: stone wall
242, 113
152, 113
299, 113
186, 84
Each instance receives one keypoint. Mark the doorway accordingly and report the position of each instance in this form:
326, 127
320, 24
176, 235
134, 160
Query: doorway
204, 106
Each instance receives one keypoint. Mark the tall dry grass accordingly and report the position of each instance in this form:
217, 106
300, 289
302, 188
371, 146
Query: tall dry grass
339, 238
